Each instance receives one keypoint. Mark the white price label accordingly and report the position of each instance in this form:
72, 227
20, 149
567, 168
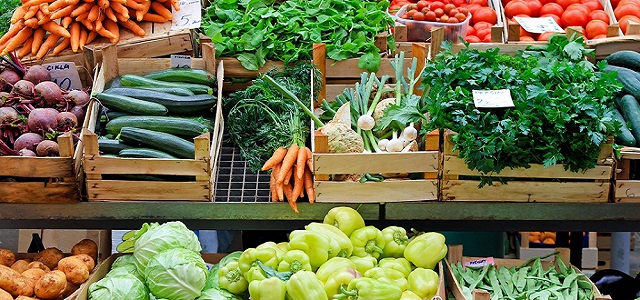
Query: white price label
189, 15
180, 61
478, 263
65, 75
539, 25
492, 98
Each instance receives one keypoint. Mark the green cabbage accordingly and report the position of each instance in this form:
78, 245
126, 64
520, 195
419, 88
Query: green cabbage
156, 239
123, 260
176, 274
119, 287
217, 294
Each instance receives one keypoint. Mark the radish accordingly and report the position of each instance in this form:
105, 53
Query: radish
27, 141
47, 148
37, 74
23, 87
49, 91
42, 120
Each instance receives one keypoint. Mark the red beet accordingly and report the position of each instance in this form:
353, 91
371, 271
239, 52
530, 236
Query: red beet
79, 112
42, 120
9, 76
79, 97
47, 148
37, 74
66, 121
8, 115
27, 141
26, 152
49, 91
23, 87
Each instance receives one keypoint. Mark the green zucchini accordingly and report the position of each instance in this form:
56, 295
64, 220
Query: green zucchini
131, 105
179, 105
630, 79
108, 146
144, 153
110, 115
174, 91
184, 75
625, 58
138, 81
630, 110
625, 137
167, 142
173, 125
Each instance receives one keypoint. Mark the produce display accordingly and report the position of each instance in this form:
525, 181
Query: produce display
626, 64
50, 274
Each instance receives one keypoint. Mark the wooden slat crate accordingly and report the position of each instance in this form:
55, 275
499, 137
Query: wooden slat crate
99, 189
627, 185
551, 184
589, 254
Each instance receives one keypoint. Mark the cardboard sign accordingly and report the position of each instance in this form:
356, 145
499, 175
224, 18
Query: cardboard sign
189, 15
65, 75
539, 25
180, 61
492, 98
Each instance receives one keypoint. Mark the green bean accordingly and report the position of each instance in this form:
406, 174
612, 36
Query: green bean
495, 285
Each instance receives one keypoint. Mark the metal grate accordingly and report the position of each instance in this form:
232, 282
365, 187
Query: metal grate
235, 182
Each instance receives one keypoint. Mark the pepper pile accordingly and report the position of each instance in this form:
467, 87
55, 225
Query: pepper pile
340, 258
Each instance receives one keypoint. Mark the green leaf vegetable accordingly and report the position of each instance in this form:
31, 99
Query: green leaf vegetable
562, 112
255, 31
6, 10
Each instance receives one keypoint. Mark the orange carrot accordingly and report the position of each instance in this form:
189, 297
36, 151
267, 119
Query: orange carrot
70, 2
287, 177
18, 14
58, 4
44, 8
275, 159
49, 43
66, 21
288, 192
83, 17
301, 162
110, 15
272, 183
113, 28
35, 3
308, 186
134, 5
87, 24
83, 38
93, 13
17, 40
74, 30
104, 4
61, 46
298, 186
131, 25
309, 158
38, 38
26, 48
44, 19
88, 1
141, 12
91, 36
13, 30
54, 28
155, 18
33, 23
63, 12
31, 12
288, 161
103, 31
161, 10
175, 4
40, 14
82, 8
280, 191
121, 9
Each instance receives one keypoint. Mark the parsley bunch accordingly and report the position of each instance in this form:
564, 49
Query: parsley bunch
562, 112
6, 10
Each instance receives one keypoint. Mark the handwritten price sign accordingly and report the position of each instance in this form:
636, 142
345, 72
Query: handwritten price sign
539, 25
65, 75
180, 61
189, 15
492, 98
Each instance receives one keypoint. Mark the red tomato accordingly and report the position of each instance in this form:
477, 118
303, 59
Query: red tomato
482, 33
566, 3
459, 3
422, 4
448, 8
472, 39
435, 5
430, 16
555, 18
545, 36
472, 8
596, 28
534, 7
547, 1
487, 39
453, 20
627, 9
471, 31
461, 17
624, 22
573, 17
439, 12
418, 16
583, 8
551, 8
444, 18
516, 7
485, 14
601, 36
453, 12
592, 4
623, 2
479, 2
598, 15
481, 25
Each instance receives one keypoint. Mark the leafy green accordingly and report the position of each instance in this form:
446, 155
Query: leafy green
6, 10
258, 30
562, 112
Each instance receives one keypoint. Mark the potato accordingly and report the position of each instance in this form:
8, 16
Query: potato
51, 285
86, 246
33, 275
49, 257
9, 280
74, 268
7, 257
23, 286
25, 298
4, 295
20, 265
87, 260
38, 265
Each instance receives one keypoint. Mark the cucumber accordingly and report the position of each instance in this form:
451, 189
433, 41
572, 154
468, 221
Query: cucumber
630, 79
174, 91
167, 142
107, 146
630, 110
138, 81
173, 125
131, 105
179, 105
625, 58
625, 137
110, 115
144, 153
184, 75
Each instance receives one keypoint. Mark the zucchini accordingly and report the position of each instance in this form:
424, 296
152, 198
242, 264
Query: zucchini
131, 105
630, 79
110, 115
180, 105
175, 91
167, 142
108, 146
173, 125
630, 110
138, 81
625, 58
625, 137
184, 75
144, 153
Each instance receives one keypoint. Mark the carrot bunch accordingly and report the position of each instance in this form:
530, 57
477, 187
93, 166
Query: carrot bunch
291, 174
40, 26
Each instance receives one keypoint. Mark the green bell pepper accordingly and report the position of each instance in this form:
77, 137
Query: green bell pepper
409, 295
345, 218
338, 279
426, 250
396, 240
388, 275
333, 265
230, 278
251, 256
294, 261
274, 246
334, 234
399, 264
364, 263
367, 241
255, 273
284, 246
233, 256
267, 289
304, 285
365, 288
424, 282
315, 245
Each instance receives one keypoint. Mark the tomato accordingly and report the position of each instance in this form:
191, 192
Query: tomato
547, 1
573, 17
485, 14
444, 19
453, 12
527, 39
601, 36
626, 10
461, 17
614, 3
555, 18
430, 16
418, 16
545, 36
624, 22
435, 5
623, 2
472, 39
481, 25
448, 8
517, 7
583, 8
459, 3
595, 28
524, 32
551, 8
487, 39
566, 3
592, 4
395, 7
439, 12
422, 4
482, 33
479, 2
534, 7
471, 31
453, 20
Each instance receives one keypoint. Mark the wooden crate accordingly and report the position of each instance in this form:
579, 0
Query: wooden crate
589, 254
99, 189
627, 186
536, 184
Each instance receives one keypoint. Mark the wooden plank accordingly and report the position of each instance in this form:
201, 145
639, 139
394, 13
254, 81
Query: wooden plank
233, 68
320, 144
348, 68
123, 190
37, 167
373, 192
39, 192
526, 191
456, 166
387, 162
333, 90
627, 191
604, 47
320, 62
202, 153
118, 165
140, 66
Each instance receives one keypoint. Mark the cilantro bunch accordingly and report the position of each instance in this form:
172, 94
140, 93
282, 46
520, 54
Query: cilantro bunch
562, 112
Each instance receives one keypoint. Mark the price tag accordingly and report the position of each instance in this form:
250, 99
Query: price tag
492, 98
189, 15
65, 75
180, 61
539, 25
479, 263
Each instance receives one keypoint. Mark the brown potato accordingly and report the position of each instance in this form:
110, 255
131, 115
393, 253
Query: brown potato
49, 257
33, 275
86, 246
74, 268
38, 265
26, 298
7, 257
23, 286
4, 295
87, 260
51, 285
20, 265
9, 280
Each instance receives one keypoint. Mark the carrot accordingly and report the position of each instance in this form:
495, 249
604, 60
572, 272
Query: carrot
272, 183
63, 12
308, 186
175, 4
26, 48
113, 28
71, 2
287, 177
103, 31
33, 23
49, 43
82, 8
134, 5
94, 13
104, 4
161, 10
63, 45
131, 25
301, 162
155, 18
74, 30
35, 3
309, 158
88, 25
31, 12
275, 159
54, 28
57, 4
83, 38
17, 40
91, 36
288, 192
13, 30
66, 21
280, 190
18, 14
44, 19
38, 38
83, 17
44, 8
121, 9
88, 1
141, 12
110, 15
288, 161
298, 186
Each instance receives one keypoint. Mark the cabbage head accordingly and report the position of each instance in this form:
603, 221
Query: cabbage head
156, 239
176, 274
217, 294
123, 260
118, 287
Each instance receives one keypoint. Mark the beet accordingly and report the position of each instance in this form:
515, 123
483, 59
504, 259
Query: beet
79, 97
66, 121
9, 76
27, 141
49, 91
8, 115
42, 120
26, 152
23, 87
79, 112
47, 148
37, 74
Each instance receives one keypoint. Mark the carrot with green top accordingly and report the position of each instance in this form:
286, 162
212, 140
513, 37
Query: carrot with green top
288, 161
275, 159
